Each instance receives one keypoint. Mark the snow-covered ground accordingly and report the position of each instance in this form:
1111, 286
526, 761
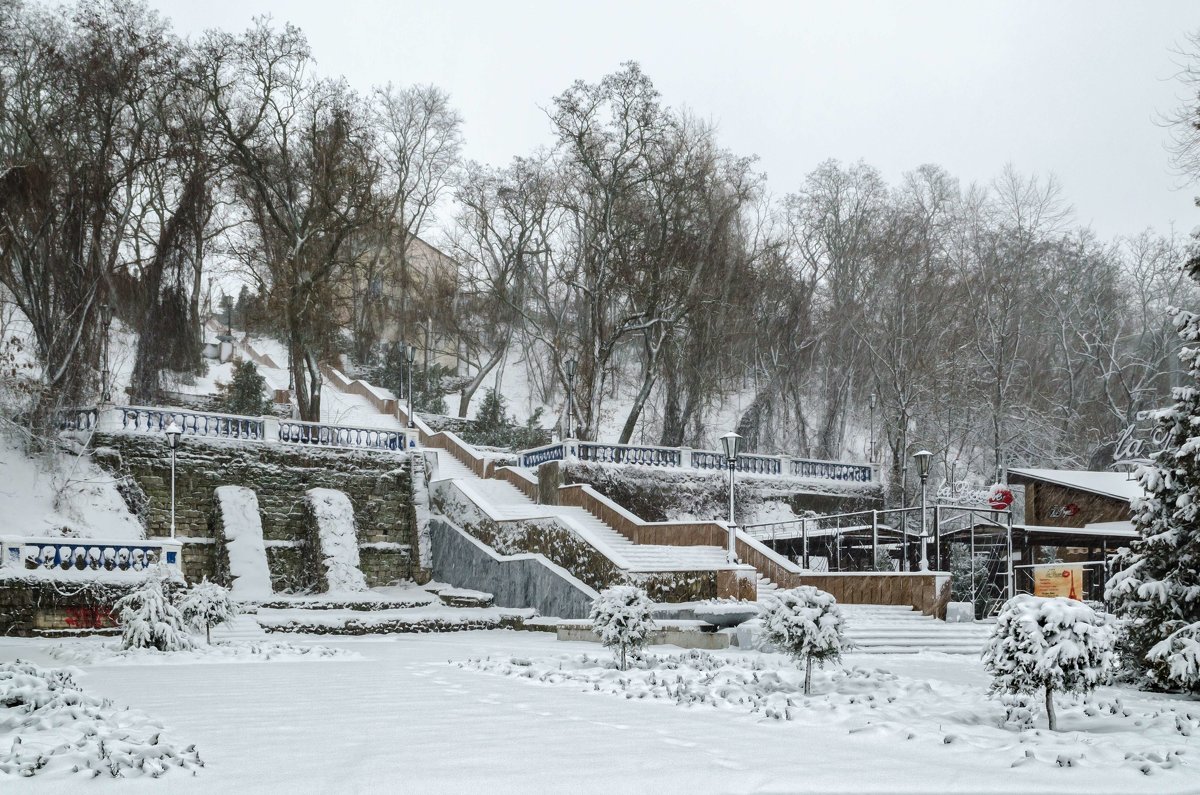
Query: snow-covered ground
507, 711
60, 492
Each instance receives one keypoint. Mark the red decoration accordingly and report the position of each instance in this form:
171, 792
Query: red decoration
1000, 498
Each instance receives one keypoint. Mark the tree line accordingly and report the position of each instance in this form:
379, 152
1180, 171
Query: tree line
977, 320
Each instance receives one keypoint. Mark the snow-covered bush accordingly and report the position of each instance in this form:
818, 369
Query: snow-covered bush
148, 619
1048, 645
621, 617
1177, 658
1156, 588
51, 726
806, 623
205, 605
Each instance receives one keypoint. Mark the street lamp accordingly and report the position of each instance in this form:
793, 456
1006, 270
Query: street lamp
412, 355
570, 368
173, 433
105, 322
730, 442
873, 400
922, 458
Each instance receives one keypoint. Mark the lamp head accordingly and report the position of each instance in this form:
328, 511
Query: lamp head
570, 368
105, 315
874, 399
173, 433
922, 458
411, 353
730, 443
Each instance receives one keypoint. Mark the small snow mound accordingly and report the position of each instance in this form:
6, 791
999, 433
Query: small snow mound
217, 652
338, 538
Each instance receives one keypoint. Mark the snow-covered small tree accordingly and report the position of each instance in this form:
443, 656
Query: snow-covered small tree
1048, 645
806, 623
205, 605
621, 617
1157, 587
148, 619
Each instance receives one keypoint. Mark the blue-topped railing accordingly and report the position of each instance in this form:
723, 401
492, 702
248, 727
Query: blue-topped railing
87, 555
682, 457
316, 433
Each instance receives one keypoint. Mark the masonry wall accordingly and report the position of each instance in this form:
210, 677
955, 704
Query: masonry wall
377, 483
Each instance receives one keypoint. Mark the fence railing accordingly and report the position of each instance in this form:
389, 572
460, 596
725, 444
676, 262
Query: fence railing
315, 433
153, 419
749, 463
77, 419
90, 555
192, 423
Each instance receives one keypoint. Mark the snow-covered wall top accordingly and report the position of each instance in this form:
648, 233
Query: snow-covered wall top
334, 515
242, 527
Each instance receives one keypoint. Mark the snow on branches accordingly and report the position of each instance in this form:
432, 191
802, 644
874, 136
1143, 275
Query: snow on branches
205, 605
148, 619
806, 623
621, 617
1157, 587
1051, 645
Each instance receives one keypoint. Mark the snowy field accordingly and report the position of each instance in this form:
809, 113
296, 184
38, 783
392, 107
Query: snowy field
519, 711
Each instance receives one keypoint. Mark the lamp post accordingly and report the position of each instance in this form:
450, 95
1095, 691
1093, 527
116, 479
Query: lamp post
411, 354
730, 442
873, 400
173, 433
922, 458
105, 322
570, 368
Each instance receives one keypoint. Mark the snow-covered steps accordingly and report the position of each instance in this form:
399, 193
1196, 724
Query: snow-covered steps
242, 627
766, 588
894, 629
504, 501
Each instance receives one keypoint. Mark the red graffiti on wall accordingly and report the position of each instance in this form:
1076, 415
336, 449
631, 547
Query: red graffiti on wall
89, 618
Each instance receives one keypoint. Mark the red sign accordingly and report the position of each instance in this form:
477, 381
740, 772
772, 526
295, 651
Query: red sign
1000, 497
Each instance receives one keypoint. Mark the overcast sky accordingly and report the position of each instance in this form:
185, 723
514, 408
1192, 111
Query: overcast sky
1073, 88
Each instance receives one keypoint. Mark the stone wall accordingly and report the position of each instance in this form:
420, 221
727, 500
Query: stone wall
377, 483
515, 580
32, 605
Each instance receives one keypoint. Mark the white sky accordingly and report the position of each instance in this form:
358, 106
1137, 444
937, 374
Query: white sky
1073, 88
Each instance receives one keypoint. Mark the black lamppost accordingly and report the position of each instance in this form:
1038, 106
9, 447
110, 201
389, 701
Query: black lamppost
173, 433
570, 368
922, 458
411, 354
105, 376
730, 442
873, 400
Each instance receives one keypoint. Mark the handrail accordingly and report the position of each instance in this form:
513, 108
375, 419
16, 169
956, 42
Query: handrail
194, 423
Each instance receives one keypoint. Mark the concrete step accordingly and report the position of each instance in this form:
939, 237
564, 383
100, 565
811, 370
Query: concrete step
241, 628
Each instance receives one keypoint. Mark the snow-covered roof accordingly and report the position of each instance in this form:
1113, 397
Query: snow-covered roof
1117, 485
1108, 529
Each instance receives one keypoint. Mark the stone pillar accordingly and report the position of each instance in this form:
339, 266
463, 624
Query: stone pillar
685, 457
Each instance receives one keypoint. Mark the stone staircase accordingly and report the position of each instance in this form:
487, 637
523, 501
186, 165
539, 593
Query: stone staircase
895, 629
242, 628
505, 501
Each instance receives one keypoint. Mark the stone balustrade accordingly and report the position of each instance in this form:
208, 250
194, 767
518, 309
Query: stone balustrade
88, 555
683, 457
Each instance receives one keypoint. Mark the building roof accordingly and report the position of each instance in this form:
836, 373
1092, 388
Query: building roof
1117, 485
1102, 529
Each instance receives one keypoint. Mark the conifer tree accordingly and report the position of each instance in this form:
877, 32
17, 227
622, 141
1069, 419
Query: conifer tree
1157, 585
